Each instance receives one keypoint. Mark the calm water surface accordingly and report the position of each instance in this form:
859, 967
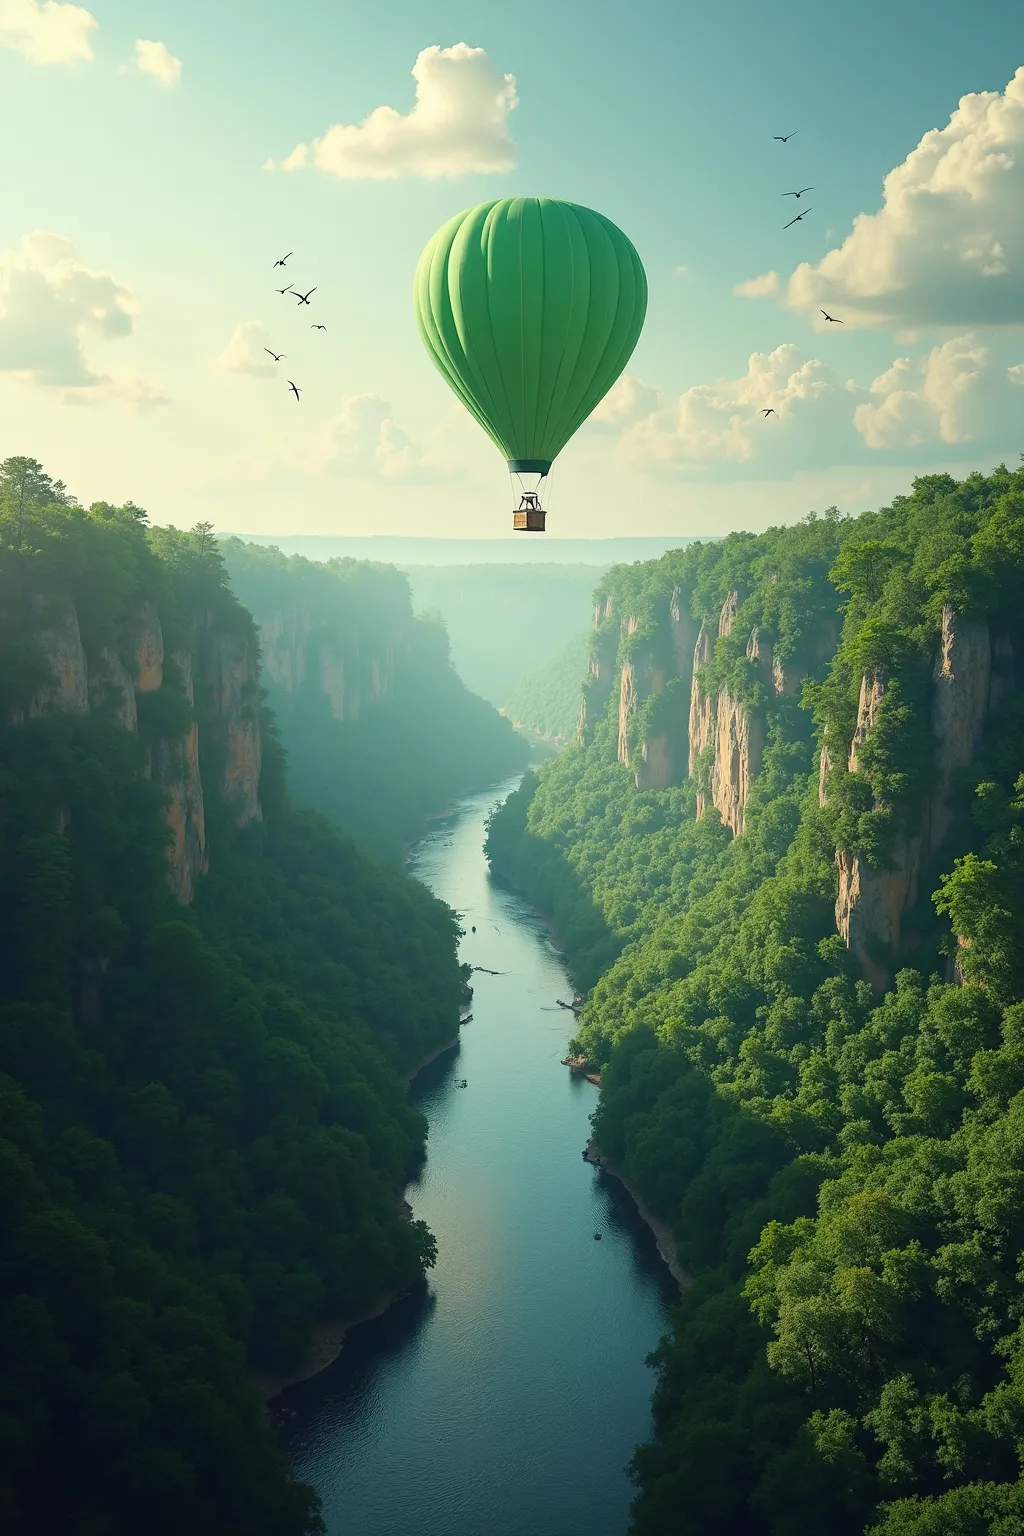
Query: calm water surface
505, 1398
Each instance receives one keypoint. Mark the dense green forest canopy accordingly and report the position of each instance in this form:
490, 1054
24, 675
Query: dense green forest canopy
844, 1171
547, 701
203, 1120
380, 728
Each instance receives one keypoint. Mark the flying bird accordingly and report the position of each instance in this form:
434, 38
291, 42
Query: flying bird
798, 218
771, 411
303, 298
318, 327
798, 194
784, 138
294, 389
284, 290
832, 319
277, 356
282, 259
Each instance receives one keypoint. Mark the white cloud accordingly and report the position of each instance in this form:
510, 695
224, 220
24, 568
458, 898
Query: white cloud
723, 421
51, 308
763, 287
924, 402
245, 352
629, 400
157, 61
947, 245
364, 439
47, 32
1016, 374
459, 125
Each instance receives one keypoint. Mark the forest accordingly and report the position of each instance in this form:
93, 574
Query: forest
790, 877
547, 701
378, 725
209, 1002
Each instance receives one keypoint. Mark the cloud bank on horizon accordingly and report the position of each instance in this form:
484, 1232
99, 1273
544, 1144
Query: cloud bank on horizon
458, 125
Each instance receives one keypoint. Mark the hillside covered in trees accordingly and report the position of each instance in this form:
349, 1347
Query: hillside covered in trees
787, 864
379, 727
209, 1001
547, 701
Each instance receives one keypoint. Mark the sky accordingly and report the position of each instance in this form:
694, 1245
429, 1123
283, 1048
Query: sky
161, 156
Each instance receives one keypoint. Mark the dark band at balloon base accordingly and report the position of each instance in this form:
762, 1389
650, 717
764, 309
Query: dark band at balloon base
529, 466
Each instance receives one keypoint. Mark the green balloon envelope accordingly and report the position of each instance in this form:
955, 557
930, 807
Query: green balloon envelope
530, 308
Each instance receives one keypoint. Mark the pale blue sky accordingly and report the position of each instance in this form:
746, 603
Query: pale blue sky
660, 115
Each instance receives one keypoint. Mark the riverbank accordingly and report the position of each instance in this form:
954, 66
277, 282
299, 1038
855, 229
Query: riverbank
328, 1338
662, 1231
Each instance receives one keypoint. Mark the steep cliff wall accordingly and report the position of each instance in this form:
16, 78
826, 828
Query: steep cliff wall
871, 904
133, 670
600, 679
230, 679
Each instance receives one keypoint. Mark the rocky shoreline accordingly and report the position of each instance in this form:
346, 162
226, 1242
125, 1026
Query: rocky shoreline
662, 1231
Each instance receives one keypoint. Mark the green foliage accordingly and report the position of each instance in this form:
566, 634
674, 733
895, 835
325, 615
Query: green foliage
547, 701
378, 726
203, 1119
844, 1174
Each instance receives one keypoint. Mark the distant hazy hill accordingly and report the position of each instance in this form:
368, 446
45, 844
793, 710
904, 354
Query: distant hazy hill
547, 701
406, 552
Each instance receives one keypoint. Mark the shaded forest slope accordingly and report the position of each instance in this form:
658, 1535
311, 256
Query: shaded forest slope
378, 726
208, 1002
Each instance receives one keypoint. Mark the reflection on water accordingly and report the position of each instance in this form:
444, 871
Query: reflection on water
506, 1393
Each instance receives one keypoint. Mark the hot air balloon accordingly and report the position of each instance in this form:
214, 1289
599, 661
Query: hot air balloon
530, 308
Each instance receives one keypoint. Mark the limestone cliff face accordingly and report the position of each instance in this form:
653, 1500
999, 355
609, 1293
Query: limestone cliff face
301, 653
231, 681
736, 730
960, 703
872, 904
146, 644
54, 629
600, 670
110, 687
176, 770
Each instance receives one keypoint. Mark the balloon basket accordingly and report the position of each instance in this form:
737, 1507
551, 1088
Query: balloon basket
528, 520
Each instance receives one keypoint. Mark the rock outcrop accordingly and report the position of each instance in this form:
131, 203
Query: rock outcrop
110, 687
146, 643
55, 631
176, 770
871, 904
600, 680
231, 681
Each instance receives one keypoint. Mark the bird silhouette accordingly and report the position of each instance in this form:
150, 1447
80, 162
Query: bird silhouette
798, 218
832, 319
294, 389
771, 411
784, 138
282, 259
303, 298
284, 290
277, 356
798, 194
318, 327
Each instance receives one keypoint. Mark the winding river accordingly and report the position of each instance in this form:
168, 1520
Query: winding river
505, 1397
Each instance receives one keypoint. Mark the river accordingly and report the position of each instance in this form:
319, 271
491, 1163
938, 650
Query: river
505, 1397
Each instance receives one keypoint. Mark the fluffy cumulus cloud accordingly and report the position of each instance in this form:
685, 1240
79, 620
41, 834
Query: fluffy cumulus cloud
936, 400
724, 421
47, 32
52, 308
363, 439
248, 352
458, 125
763, 287
957, 394
157, 61
947, 245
